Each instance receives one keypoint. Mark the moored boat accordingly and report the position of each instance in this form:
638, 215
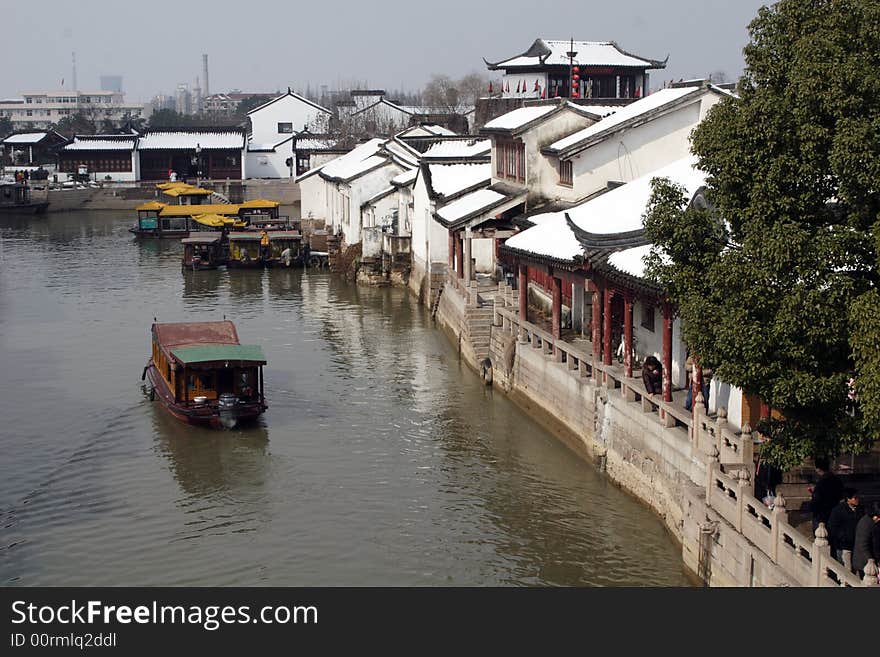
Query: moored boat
16, 197
246, 250
285, 249
202, 374
204, 251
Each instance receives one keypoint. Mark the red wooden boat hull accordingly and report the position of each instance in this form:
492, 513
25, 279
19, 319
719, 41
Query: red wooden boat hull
199, 415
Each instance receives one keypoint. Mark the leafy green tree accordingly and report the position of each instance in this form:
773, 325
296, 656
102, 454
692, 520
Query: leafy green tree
777, 282
168, 118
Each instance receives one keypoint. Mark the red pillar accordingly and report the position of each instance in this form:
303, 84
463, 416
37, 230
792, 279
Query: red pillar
557, 308
459, 256
596, 333
667, 353
523, 293
628, 335
451, 257
606, 328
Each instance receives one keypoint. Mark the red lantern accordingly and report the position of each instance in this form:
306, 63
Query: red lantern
575, 77
575, 94
575, 69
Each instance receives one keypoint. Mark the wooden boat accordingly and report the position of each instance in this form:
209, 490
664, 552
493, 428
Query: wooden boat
204, 251
285, 249
203, 375
245, 250
157, 219
15, 197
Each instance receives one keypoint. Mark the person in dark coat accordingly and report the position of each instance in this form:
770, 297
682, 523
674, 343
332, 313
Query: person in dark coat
867, 541
652, 375
842, 523
825, 494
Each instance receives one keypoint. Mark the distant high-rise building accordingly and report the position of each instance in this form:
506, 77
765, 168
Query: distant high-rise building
184, 100
111, 83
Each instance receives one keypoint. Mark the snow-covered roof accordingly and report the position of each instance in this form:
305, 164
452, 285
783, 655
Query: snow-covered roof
621, 209
450, 179
631, 261
482, 199
551, 237
290, 94
25, 138
256, 147
406, 178
315, 143
624, 114
378, 196
102, 143
458, 148
552, 52
160, 140
407, 155
355, 162
426, 130
519, 117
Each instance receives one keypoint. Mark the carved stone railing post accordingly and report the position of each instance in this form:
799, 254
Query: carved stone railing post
870, 578
496, 316
742, 490
711, 467
821, 552
778, 516
697, 424
745, 439
720, 426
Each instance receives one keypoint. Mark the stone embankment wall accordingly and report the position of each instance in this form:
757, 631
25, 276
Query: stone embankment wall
694, 471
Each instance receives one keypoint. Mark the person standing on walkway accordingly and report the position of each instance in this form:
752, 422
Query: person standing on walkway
825, 494
867, 541
842, 524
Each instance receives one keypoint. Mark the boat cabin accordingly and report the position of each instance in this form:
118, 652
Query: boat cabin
259, 209
215, 222
206, 251
245, 249
186, 194
148, 219
204, 375
285, 248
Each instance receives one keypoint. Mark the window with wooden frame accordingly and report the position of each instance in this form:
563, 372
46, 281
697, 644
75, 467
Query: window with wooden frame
511, 160
565, 173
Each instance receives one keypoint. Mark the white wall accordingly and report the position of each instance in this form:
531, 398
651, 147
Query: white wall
631, 153
381, 212
541, 175
289, 109
268, 165
345, 199
313, 197
483, 251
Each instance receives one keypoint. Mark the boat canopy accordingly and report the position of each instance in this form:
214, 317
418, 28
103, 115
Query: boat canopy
217, 221
240, 353
260, 203
210, 238
150, 205
186, 190
193, 210
246, 237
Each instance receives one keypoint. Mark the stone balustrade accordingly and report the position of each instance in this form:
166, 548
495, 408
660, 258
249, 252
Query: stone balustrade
730, 458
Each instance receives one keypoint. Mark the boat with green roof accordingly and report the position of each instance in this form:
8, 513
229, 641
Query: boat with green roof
203, 375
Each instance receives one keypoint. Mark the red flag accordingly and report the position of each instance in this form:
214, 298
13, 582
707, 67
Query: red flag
536, 85
517, 86
508, 86
490, 86
543, 93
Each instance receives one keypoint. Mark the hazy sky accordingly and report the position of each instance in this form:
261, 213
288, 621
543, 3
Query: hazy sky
256, 45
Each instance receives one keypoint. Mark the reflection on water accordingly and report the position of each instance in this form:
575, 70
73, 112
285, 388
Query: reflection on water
380, 461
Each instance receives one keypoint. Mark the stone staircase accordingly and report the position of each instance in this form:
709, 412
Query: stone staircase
218, 198
478, 320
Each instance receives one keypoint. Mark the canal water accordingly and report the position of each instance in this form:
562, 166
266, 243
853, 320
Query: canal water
382, 460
